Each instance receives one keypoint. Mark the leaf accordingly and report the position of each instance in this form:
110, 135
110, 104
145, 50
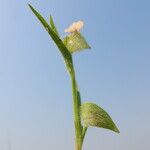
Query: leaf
78, 95
53, 25
93, 115
76, 42
84, 130
64, 51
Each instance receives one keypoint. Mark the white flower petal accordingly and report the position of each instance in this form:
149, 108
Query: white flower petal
76, 26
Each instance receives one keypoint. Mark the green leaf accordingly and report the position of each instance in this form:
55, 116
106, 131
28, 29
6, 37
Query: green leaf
84, 130
53, 25
93, 115
79, 97
76, 42
64, 51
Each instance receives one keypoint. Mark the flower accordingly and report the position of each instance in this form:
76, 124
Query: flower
76, 26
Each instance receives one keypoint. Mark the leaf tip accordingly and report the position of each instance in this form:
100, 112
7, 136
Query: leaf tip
51, 17
29, 5
116, 130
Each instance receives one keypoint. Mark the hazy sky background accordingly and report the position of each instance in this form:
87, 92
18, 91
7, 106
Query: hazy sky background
35, 93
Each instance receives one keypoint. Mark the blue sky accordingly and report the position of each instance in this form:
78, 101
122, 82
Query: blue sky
35, 94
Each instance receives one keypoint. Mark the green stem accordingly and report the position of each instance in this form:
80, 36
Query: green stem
76, 106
